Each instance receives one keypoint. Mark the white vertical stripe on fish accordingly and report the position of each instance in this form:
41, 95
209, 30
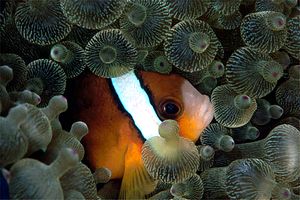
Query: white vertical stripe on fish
136, 102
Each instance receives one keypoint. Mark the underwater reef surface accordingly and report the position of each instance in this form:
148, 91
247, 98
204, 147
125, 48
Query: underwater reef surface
149, 99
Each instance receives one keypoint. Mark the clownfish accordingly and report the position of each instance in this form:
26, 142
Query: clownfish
123, 112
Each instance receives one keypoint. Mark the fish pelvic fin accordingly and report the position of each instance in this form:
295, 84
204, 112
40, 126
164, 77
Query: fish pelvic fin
136, 182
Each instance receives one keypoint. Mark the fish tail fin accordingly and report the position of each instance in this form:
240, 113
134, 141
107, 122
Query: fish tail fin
136, 182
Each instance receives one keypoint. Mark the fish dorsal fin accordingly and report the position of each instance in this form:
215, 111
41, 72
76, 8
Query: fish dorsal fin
136, 182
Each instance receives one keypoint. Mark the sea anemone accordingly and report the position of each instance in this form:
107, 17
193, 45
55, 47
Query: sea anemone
280, 149
109, 54
294, 72
187, 10
216, 69
225, 7
230, 22
92, 14
162, 195
269, 5
25, 96
191, 45
13, 42
242, 179
19, 68
169, 157
81, 36
146, 21
251, 72
253, 179
63, 139
46, 78
264, 31
205, 80
80, 178
287, 96
191, 188
41, 21
6, 12
6, 75
206, 154
216, 135
57, 105
13, 142
282, 58
70, 56
244, 133
73, 194
37, 129
292, 44
207, 85
294, 121
265, 112
102, 175
28, 177
158, 62
232, 109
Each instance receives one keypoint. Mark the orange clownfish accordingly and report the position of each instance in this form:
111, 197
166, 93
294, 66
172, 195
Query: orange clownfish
123, 112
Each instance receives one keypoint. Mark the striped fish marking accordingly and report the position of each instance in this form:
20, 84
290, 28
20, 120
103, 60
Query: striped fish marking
136, 102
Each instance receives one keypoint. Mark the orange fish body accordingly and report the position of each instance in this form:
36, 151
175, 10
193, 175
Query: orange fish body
115, 141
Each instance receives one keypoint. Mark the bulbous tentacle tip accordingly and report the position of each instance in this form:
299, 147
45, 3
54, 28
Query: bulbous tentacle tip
102, 175
216, 69
276, 111
227, 143
108, 54
253, 133
137, 16
58, 52
59, 101
6, 74
17, 114
199, 42
206, 152
294, 72
277, 21
169, 129
242, 101
79, 129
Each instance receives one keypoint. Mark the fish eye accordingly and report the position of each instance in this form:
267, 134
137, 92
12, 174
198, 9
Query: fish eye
170, 109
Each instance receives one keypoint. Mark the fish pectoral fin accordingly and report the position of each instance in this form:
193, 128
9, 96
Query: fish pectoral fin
136, 182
